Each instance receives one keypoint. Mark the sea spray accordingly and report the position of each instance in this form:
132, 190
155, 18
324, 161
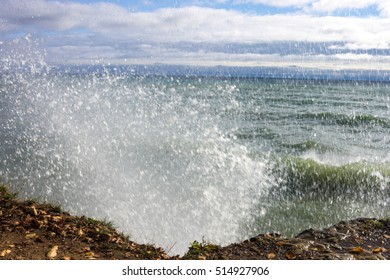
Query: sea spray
143, 152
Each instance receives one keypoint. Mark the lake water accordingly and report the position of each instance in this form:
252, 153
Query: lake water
173, 158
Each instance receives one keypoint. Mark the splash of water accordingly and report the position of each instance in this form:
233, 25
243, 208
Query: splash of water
143, 152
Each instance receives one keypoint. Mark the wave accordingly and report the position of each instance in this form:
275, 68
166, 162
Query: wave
307, 193
310, 145
348, 120
309, 178
255, 133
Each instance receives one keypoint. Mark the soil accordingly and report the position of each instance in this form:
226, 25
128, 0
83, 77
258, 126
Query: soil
38, 231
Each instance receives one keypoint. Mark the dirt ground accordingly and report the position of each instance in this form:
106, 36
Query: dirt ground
36, 231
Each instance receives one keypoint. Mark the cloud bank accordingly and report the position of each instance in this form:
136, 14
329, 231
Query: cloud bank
77, 33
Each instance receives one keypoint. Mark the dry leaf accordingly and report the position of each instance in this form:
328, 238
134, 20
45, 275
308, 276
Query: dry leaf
56, 218
290, 256
377, 250
90, 255
31, 235
271, 256
357, 250
5, 252
34, 210
52, 253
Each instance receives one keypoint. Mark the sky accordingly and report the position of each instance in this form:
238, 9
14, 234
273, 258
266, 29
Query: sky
335, 34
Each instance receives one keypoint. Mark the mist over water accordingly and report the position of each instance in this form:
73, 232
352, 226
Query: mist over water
145, 153
171, 159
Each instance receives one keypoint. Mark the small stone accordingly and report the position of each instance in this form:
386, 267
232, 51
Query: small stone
52, 253
66, 258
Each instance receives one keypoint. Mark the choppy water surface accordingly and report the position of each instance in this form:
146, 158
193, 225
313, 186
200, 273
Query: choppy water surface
172, 159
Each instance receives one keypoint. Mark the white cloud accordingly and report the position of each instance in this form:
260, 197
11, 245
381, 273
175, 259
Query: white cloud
110, 32
55, 15
384, 8
151, 54
193, 24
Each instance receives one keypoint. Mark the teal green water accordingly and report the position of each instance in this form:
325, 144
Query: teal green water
174, 159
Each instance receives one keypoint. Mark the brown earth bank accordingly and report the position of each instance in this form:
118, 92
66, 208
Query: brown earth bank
36, 231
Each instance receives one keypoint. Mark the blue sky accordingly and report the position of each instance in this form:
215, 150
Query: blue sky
307, 33
257, 7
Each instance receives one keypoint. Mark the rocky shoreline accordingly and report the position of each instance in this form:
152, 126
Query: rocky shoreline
36, 231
